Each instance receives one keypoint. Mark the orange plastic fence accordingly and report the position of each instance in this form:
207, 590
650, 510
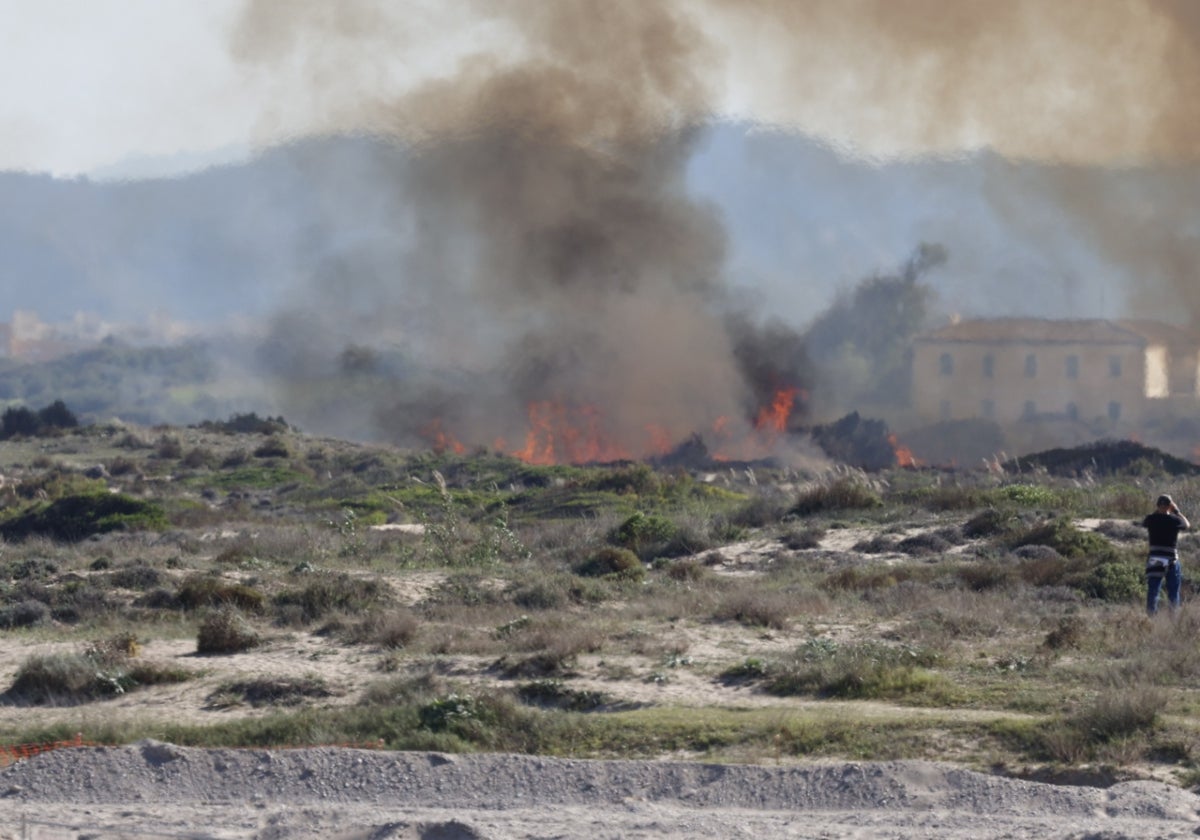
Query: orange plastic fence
15, 752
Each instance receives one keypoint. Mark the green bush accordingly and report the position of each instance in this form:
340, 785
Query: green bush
1117, 582
1062, 535
103, 669
642, 532
863, 670
75, 518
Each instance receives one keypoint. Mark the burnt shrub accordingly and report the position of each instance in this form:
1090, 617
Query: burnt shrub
756, 608
611, 562
389, 629
197, 591
272, 447
990, 522
554, 694
270, 691
841, 493
198, 457
327, 593
226, 630
758, 512
139, 577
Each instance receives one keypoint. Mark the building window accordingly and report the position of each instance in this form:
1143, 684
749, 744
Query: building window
1030, 410
989, 366
987, 409
1114, 411
1072, 367
946, 364
1072, 411
1031, 365
944, 409
1114, 366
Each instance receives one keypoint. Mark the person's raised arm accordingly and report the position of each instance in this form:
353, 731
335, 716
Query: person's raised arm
1175, 510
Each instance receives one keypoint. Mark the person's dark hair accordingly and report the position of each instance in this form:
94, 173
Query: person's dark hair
1164, 501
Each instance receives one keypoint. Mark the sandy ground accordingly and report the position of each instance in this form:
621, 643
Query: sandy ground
158, 790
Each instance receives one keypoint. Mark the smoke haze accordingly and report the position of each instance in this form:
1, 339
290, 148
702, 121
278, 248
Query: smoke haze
535, 244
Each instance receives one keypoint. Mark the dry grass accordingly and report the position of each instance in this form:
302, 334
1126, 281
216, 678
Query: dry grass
962, 602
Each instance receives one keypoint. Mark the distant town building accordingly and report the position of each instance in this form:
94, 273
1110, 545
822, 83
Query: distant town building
1093, 371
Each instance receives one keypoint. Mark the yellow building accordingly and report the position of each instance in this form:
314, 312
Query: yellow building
1093, 371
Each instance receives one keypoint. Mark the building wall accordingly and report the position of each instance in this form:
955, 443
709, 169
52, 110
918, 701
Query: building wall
1085, 381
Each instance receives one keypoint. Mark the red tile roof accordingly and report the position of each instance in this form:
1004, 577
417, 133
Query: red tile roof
1070, 331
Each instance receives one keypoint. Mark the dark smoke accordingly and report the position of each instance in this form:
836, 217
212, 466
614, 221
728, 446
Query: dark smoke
550, 242
544, 247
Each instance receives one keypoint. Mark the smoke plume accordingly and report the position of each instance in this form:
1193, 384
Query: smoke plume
542, 251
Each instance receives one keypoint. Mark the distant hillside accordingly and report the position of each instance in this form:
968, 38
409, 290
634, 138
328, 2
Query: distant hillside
147, 385
227, 239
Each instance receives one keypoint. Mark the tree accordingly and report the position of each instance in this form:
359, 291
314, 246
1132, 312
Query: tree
862, 343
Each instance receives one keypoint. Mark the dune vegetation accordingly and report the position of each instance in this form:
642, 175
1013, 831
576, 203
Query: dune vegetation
246, 584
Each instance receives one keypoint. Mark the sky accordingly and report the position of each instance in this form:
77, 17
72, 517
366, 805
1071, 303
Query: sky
924, 102
92, 84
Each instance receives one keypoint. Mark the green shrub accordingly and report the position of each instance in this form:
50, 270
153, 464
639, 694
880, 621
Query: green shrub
226, 630
750, 669
1062, 535
75, 518
1029, 495
863, 670
26, 613
1117, 582
610, 562
642, 532
103, 669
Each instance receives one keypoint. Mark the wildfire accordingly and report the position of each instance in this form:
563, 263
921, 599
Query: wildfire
440, 439
773, 418
560, 433
904, 455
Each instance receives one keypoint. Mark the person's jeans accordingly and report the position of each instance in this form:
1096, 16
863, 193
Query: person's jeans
1154, 585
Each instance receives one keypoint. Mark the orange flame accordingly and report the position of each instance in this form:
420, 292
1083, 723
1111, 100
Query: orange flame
773, 418
440, 439
558, 434
904, 455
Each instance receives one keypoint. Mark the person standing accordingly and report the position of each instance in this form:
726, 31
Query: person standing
1162, 562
